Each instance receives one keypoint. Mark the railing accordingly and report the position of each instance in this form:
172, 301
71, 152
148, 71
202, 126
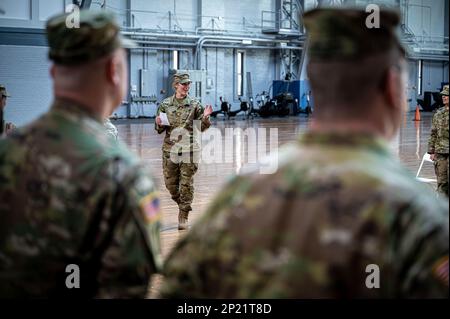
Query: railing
171, 22
430, 44
269, 20
273, 21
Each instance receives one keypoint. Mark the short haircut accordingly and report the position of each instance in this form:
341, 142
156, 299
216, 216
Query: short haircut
350, 83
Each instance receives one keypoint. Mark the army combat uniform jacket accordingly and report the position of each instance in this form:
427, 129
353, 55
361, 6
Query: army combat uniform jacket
181, 116
438, 145
72, 195
111, 129
438, 141
341, 218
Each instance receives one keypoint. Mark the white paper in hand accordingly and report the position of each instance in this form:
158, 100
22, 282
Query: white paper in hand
164, 119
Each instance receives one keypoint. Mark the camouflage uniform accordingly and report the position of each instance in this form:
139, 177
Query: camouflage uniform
181, 152
2, 123
69, 194
3, 94
438, 144
111, 129
338, 204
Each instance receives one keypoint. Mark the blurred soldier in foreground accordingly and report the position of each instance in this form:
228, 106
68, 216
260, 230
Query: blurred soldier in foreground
341, 218
71, 195
180, 150
438, 144
6, 128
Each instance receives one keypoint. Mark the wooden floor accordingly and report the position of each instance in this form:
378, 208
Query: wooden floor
410, 145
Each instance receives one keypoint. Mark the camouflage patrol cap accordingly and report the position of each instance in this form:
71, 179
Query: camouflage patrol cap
182, 78
97, 36
445, 90
342, 34
3, 91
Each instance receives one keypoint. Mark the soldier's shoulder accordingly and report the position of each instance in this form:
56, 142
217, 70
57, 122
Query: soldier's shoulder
118, 165
167, 101
195, 101
271, 172
117, 151
440, 112
8, 146
126, 158
398, 187
18, 141
266, 166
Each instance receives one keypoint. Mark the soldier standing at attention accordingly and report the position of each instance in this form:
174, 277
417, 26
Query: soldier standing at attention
74, 201
438, 144
6, 128
180, 150
341, 217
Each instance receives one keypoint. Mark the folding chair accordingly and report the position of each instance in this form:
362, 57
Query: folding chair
425, 158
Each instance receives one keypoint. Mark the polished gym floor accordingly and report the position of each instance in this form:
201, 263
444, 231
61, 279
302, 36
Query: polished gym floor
140, 136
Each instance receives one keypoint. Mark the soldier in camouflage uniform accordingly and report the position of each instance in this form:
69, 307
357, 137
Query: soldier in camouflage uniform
180, 149
69, 194
6, 128
341, 218
111, 129
438, 144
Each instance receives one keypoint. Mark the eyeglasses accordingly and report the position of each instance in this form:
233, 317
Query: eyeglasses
186, 84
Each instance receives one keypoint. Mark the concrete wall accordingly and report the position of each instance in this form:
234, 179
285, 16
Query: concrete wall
29, 13
25, 73
434, 74
426, 17
155, 14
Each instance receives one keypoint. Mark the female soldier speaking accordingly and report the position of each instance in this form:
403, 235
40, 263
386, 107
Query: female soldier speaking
176, 116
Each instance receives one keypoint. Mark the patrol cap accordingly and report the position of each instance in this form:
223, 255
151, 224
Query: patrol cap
445, 90
3, 91
337, 34
98, 35
182, 78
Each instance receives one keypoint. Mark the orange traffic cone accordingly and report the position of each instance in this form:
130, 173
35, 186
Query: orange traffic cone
417, 115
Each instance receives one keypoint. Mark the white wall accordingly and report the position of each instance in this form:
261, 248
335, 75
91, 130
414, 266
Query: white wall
426, 17
433, 75
30, 13
25, 73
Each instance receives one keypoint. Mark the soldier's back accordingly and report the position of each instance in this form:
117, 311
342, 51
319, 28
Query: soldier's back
65, 188
335, 206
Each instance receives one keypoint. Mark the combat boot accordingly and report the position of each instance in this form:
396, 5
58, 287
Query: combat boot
182, 220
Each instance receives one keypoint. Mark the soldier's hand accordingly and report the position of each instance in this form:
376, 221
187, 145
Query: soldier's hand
208, 110
9, 128
158, 120
432, 156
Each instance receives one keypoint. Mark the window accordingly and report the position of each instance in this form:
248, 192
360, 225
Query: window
240, 73
419, 77
176, 60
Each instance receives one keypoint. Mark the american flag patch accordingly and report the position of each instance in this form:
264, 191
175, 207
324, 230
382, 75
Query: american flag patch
440, 270
150, 207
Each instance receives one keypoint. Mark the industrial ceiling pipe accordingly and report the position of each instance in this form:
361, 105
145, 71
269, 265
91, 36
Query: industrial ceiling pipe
203, 39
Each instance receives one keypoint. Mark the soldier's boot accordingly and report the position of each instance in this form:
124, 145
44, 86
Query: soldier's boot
183, 220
